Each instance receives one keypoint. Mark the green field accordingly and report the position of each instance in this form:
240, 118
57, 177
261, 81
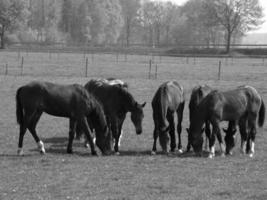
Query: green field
135, 174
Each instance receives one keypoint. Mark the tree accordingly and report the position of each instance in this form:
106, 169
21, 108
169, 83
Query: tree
11, 11
130, 12
235, 16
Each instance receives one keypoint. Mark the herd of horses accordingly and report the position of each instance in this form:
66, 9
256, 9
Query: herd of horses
102, 104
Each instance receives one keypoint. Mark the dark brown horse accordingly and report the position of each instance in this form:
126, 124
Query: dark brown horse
110, 81
117, 102
197, 95
242, 105
70, 101
169, 98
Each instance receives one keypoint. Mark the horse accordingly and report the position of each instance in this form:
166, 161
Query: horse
168, 99
109, 81
117, 102
70, 101
241, 105
197, 95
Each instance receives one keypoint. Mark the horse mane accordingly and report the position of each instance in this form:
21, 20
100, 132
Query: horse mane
126, 95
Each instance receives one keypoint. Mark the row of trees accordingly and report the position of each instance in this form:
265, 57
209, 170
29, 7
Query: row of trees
127, 22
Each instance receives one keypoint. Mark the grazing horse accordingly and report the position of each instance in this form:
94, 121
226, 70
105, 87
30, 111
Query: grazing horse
70, 101
169, 98
110, 81
117, 101
242, 105
197, 95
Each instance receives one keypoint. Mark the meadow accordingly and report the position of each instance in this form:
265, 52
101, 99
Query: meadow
134, 174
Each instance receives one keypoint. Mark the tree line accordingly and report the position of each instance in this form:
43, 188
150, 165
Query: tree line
128, 22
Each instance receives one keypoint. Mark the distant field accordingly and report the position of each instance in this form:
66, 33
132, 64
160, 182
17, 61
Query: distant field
135, 174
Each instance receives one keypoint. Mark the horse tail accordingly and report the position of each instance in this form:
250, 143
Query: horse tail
261, 114
19, 108
163, 97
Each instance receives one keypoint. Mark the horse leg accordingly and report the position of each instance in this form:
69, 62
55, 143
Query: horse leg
252, 136
72, 128
115, 132
155, 136
219, 137
243, 133
179, 126
120, 133
170, 118
208, 133
32, 129
23, 129
22, 132
87, 131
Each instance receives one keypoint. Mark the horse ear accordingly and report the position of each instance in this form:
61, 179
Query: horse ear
143, 105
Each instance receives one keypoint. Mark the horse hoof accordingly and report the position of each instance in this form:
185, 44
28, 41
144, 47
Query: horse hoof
153, 153
20, 152
69, 151
86, 145
42, 151
180, 151
223, 155
211, 156
251, 155
94, 153
117, 153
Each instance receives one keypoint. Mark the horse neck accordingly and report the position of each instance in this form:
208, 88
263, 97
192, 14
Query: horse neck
199, 117
127, 100
99, 116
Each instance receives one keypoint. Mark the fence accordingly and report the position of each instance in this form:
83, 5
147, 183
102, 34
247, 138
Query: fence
95, 64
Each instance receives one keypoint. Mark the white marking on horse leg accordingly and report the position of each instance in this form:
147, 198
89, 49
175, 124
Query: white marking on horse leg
119, 144
41, 148
94, 139
180, 150
242, 148
212, 152
117, 153
20, 151
153, 153
252, 149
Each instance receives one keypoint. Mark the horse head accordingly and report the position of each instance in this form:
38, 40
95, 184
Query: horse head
229, 139
195, 139
137, 116
103, 140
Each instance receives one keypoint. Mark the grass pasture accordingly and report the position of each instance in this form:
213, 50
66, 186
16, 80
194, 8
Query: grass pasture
135, 174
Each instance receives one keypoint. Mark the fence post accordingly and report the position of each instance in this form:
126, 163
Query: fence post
219, 70
150, 63
6, 69
21, 66
86, 66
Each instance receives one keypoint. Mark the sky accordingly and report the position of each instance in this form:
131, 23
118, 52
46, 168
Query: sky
263, 3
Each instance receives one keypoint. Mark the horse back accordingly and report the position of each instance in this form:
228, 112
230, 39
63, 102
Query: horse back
54, 99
